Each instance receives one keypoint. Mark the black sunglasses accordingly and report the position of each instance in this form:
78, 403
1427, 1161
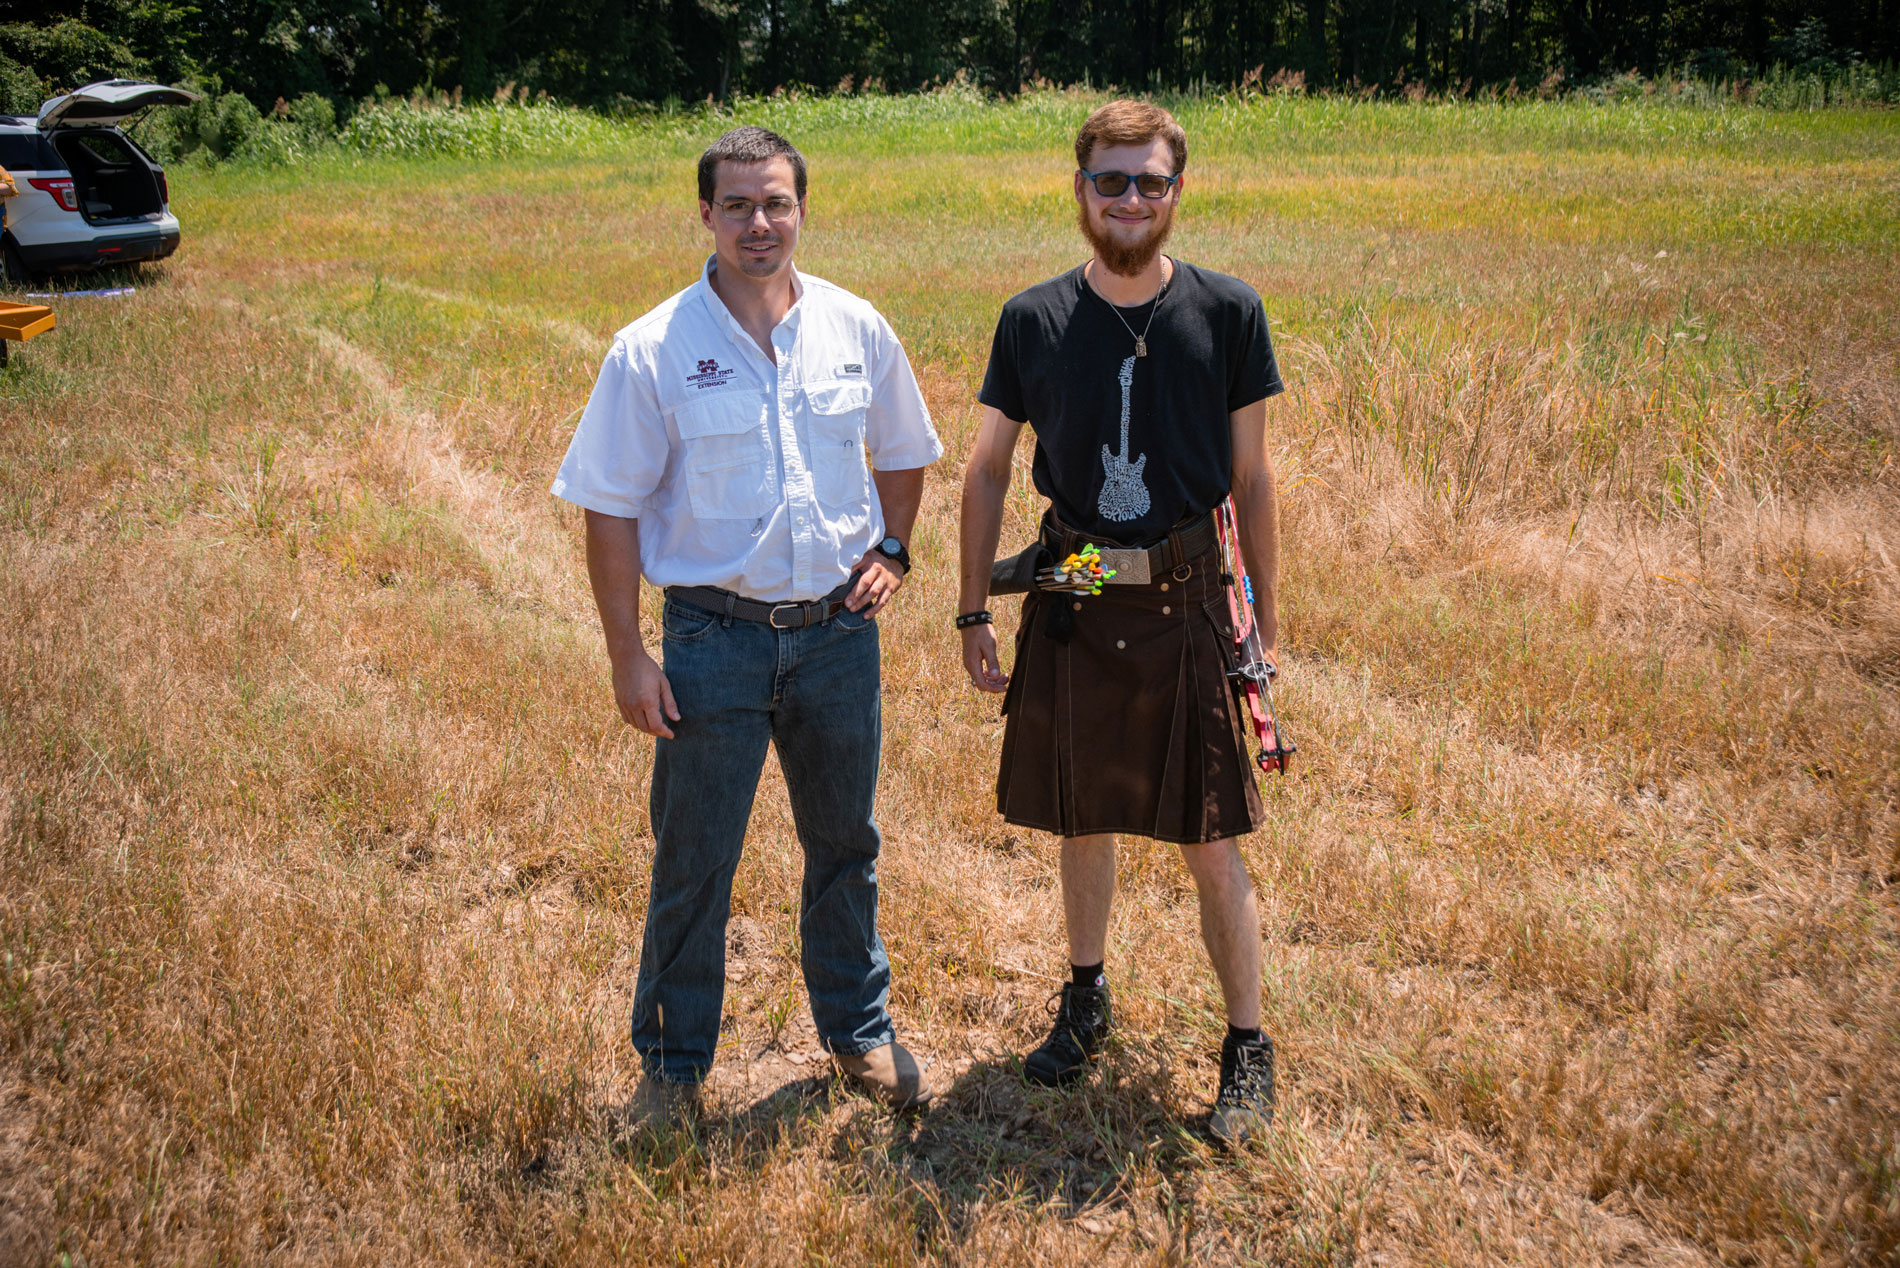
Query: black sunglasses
1147, 184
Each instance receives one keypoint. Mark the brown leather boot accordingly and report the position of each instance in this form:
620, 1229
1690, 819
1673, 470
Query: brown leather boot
890, 1074
656, 1104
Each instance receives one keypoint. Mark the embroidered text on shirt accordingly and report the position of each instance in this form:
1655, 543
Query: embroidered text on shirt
710, 375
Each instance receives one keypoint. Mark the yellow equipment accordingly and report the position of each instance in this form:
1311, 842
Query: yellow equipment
22, 321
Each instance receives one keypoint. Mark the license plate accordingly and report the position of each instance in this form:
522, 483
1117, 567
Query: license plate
1131, 567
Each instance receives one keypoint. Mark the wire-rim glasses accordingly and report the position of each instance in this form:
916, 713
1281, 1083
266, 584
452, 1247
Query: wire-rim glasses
741, 210
1147, 184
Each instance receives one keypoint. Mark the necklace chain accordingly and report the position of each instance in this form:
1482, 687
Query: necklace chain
1141, 340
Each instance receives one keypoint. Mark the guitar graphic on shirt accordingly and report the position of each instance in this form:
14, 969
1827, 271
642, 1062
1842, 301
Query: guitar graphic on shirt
1124, 497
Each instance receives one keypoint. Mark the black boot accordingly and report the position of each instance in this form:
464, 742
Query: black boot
1244, 1105
1083, 1021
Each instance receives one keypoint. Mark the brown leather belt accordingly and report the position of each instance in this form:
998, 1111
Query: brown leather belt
1185, 542
791, 615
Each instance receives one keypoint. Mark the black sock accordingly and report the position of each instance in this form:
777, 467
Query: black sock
1235, 1035
1086, 975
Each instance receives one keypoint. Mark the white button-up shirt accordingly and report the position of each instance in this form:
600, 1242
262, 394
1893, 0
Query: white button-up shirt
745, 474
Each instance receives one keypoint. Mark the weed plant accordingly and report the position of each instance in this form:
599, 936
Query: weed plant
325, 853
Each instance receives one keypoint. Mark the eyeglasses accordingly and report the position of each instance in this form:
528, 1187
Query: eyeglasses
777, 210
1147, 184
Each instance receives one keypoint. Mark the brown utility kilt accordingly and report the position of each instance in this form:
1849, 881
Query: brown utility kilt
1129, 724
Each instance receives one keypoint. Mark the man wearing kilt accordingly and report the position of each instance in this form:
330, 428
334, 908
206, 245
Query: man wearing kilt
1145, 380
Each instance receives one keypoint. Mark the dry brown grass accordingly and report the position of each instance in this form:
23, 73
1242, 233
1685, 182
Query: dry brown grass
325, 855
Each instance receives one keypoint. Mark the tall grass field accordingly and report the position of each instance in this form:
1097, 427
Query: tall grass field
325, 851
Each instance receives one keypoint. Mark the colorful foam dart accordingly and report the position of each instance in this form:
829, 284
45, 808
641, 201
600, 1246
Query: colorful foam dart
1080, 573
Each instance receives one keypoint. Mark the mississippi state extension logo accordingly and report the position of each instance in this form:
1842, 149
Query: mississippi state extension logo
710, 375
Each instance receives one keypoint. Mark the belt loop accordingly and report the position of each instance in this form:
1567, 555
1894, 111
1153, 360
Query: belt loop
732, 601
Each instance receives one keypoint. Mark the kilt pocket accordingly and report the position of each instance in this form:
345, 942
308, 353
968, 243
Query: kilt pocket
1222, 616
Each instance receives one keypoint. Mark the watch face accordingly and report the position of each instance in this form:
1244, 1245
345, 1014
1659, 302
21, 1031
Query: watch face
890, 546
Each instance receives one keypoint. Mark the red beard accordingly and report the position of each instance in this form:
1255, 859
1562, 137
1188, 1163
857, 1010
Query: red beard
1128, 261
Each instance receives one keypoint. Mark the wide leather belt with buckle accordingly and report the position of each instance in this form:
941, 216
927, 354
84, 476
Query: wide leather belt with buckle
792, 615
1140, 566
1127, 567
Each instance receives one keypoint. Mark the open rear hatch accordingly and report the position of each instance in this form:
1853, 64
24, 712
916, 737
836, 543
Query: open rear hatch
113, 180
104, 104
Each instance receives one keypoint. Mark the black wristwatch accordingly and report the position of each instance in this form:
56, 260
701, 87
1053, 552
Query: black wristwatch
891, 548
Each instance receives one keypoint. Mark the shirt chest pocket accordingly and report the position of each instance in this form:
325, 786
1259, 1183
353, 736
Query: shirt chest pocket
727, 462
837, 413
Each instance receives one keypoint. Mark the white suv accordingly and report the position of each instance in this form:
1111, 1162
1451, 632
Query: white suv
89, 196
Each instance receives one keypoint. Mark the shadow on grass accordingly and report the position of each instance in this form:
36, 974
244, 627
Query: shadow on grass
992, 1135
988, 1138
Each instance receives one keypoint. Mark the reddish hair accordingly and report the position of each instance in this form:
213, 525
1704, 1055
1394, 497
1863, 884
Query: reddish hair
1130, 123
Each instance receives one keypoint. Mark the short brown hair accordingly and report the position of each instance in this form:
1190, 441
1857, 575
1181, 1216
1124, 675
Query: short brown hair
1130, 123
749, 145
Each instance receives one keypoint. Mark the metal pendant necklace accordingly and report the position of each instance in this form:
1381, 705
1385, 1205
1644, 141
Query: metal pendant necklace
1141, 340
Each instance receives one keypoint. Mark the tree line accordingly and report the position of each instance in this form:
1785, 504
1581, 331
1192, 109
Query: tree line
606, 53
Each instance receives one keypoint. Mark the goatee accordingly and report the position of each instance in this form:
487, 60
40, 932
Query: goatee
1126, 260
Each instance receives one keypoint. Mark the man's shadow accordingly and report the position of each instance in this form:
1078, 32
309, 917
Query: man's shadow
989, 1136
992, 1134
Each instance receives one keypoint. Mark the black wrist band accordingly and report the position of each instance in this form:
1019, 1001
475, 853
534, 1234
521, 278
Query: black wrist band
968, 619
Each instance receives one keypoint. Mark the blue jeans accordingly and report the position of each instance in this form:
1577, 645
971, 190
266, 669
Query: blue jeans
814, 693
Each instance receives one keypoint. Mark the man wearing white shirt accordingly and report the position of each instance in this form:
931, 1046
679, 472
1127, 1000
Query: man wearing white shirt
722, 456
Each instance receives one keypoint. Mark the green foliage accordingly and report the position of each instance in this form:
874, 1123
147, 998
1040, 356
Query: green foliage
611, 54
314, 119
78, 44
21, 91
220, 126
419, 129
235, 124
962, 118
293, 131
36, 62
1811, 88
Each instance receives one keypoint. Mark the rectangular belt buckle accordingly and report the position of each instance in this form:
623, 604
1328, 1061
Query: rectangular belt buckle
798, 610
1131, 567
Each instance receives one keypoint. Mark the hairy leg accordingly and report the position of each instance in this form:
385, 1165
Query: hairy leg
1230, 925
1088, 891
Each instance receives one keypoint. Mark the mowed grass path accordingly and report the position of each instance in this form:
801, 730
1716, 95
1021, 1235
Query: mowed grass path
325, 852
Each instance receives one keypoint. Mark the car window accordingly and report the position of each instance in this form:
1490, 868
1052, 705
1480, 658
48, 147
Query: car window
28, 152
17, 151
106, 147
138, 149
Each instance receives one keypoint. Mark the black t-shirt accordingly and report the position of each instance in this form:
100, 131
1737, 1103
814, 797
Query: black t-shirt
1128, 446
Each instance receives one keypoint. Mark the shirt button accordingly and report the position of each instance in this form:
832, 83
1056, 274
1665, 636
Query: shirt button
1120, 644
1078, 607
1164, 586
1165, 611
801, 519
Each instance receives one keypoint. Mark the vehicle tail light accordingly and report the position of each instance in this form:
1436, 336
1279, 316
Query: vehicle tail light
164, 191
60, 187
